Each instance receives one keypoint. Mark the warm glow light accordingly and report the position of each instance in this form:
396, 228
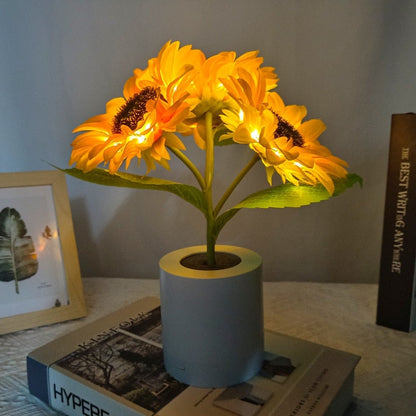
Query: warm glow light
255, 134
43, 239
183, 92
139, 139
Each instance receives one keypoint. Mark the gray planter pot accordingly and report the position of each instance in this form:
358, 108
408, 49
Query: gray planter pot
212, 320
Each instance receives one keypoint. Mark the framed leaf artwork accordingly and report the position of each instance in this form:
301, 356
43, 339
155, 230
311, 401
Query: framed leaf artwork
40, 280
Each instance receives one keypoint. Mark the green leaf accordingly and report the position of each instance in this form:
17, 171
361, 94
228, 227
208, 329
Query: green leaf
220, 131
18, 260
287, 195
99, 176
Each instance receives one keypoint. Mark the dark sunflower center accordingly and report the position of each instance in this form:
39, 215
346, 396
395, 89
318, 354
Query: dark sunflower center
285, 129
133, 110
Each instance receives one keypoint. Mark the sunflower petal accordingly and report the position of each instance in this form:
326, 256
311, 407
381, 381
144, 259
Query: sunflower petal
312, 129
173, 141
294, 114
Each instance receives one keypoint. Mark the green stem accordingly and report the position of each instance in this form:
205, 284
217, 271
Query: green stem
187, 162
209, 153
234, 184
209, 174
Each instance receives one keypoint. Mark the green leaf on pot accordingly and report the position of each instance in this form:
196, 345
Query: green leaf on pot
99, 176
18, 260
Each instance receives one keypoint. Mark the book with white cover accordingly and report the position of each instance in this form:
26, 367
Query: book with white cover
114, 366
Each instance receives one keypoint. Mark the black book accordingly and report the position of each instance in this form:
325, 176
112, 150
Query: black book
397, 295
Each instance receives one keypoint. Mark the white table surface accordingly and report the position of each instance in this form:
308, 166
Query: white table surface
341, 316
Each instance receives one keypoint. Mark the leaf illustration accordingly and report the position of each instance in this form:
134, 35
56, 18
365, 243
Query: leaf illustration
18, 260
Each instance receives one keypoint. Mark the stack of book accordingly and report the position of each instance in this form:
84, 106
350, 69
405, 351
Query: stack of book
114, 366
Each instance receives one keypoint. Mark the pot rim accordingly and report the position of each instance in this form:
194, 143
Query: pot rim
170, 262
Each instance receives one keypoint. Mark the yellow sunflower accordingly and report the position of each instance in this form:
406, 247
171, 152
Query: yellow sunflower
210, 92
143, 122
249, 86
173, 70
285, 143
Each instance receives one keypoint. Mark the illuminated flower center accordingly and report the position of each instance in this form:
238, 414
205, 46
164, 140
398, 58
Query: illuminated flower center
133, 110
285, 129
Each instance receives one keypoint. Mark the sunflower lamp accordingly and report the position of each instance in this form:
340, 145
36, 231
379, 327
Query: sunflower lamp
211, 295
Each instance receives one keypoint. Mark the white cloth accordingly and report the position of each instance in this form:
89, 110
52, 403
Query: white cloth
341, 316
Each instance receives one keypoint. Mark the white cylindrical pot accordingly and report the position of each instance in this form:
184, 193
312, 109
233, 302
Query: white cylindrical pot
212, 320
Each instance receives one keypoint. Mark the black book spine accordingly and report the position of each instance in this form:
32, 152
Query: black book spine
396, 297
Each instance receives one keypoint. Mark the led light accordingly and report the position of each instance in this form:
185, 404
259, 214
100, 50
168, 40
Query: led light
139, 139
255, 134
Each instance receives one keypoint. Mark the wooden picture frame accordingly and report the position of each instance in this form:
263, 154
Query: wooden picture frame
40, 279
